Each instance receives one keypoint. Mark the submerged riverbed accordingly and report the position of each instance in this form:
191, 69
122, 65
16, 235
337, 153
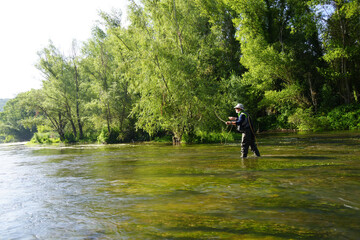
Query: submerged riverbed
305, 186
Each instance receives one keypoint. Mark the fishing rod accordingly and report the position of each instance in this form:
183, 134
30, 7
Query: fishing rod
219, 117
227, 135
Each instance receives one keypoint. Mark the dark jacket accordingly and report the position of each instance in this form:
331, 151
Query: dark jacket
243, 121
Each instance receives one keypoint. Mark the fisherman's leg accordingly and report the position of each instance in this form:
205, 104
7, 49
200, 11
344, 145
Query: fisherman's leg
244, 150
245, 144
253, 146
254, 149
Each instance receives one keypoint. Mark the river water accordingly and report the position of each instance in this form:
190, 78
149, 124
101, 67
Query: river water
305, 186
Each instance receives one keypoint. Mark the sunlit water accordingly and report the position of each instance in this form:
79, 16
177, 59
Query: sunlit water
303, 187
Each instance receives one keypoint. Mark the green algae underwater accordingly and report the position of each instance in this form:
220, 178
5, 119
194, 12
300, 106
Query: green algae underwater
304, 186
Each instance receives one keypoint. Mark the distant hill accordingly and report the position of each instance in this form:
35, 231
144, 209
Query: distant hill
2, 103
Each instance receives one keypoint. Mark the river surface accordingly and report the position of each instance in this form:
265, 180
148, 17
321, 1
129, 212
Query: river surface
304, 186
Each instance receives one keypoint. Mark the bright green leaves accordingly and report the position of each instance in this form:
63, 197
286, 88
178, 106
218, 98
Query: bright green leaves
173, 89
179, 61
63, 92
341, 44
15, 120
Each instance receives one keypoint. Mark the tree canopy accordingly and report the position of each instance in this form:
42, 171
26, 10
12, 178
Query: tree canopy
179, 64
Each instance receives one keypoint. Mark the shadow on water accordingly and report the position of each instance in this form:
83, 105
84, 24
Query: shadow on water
303, 187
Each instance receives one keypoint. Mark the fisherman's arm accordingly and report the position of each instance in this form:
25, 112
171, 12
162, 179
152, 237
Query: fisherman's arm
235, 120
232, 122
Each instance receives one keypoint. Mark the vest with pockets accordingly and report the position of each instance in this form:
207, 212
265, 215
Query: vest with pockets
245, 124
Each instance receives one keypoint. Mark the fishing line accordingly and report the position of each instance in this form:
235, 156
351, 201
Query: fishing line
219, 117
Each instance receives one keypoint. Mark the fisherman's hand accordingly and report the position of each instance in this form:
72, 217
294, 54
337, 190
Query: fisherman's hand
228, 123
232, 118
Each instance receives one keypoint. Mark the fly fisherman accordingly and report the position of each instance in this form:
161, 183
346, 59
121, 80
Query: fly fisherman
244, 125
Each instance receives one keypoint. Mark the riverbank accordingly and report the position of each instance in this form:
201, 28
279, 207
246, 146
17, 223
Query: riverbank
211, 138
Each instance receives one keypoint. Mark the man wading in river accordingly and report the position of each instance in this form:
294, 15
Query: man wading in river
245, 126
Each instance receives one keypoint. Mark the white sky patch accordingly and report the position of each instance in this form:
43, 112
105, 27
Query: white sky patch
26, 28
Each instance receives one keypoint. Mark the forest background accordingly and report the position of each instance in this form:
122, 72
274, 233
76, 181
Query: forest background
178, 64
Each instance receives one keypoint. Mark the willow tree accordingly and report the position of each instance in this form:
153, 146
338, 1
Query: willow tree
106, 64
62, 92
168, 47
97, 66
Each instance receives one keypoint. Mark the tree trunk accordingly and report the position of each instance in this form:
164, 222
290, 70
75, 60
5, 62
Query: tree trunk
73, 126
123, 111
81, 133
344, 36
347, 93
178, 30
77, 84
312, 93
60, 128
176, 140
108, 117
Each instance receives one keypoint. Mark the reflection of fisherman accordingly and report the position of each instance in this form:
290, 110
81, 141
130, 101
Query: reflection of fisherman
245, 126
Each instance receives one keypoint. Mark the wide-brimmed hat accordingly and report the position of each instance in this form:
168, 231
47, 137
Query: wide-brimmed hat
239, 105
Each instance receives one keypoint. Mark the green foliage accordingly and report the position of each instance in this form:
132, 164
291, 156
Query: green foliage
63, 91
346, 117
45, 138
43, 128
225, 136
109, 137
342, 52
175, 68
2, 103
45, 135
179, 63
9, 138
12, 119
302, 119
70, 138
277, 100
163, 139
2, 138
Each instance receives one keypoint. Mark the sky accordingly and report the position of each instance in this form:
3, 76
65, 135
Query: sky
27, 26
